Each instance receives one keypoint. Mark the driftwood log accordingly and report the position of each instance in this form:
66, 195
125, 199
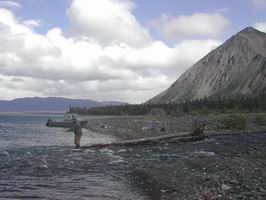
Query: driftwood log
171, 138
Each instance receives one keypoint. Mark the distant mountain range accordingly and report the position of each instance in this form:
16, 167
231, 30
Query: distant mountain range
54, 104
235, 69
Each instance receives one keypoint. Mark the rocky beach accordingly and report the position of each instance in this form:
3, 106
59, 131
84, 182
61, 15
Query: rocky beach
136, 127
229, 164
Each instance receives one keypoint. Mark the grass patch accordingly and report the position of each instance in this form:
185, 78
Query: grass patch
237, 122
260, 119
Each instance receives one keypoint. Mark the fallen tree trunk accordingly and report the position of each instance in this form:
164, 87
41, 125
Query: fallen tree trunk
171, 138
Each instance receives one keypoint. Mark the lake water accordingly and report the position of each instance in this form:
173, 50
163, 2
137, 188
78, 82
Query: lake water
38, 162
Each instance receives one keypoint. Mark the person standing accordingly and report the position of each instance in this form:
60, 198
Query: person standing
152, 125
77, 132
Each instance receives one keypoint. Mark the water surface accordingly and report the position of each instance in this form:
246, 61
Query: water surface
38, 162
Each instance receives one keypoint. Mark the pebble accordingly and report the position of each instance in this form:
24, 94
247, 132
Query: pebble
262, 190
234, 181
117, 162
6, 153
247, 187
44, 166
225, 187
89, 151
121, 151
204, 153
4, 170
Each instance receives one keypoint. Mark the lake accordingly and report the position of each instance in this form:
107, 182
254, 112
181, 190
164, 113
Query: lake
38, 162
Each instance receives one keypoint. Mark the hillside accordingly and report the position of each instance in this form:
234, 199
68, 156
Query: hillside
49, 104
235, 69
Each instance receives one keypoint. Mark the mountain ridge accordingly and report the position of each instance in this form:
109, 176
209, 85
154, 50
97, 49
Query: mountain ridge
234, 69
54, 104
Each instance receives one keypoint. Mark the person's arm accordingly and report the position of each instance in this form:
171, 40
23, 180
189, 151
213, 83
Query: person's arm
69, 130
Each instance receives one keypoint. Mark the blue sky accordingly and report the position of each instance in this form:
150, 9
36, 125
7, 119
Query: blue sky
126, 50
242, 13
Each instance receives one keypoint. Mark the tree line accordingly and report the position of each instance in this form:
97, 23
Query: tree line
198, 106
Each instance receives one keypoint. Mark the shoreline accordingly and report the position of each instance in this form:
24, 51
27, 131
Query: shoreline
230, 164
136, 127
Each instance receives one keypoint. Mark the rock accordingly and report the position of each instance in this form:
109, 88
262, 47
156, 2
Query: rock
5, 153
234, 181
225, 187
117, 162
203, 153
247, 187
4, 170
103, 126
44, 166
121, 151
262, 190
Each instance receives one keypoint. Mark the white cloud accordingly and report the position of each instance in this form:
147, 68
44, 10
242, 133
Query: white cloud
259, 3
199, 25
223, 10
10, 4
9, 23
107, 21
52, 64
261, 26
32, 23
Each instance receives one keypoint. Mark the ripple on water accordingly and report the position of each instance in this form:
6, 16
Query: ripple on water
39, 162
65, 174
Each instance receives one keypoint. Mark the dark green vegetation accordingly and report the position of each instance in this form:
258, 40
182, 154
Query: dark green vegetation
199, 106
237, 122
260, 120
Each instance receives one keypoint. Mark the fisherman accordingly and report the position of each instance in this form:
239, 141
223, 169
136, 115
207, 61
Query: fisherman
77, 131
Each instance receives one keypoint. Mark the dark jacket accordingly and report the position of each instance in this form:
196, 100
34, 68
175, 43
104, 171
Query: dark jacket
77, 128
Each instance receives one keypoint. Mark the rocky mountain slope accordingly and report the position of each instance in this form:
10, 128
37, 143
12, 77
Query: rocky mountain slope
236, 68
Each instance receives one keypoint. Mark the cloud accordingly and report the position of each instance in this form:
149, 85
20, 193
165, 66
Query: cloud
15, 79
88, 66
259, 3
223, 10
107, 21
261, 26
32, 23
10, 4
199, 25
8, 23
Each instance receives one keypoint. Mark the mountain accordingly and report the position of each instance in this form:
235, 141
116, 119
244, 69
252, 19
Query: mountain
235, 69
55, 104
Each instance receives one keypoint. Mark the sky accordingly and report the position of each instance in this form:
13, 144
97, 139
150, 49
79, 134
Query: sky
124, 50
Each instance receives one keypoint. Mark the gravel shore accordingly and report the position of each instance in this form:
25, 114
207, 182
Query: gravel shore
136, 127
226, 167
220, 167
